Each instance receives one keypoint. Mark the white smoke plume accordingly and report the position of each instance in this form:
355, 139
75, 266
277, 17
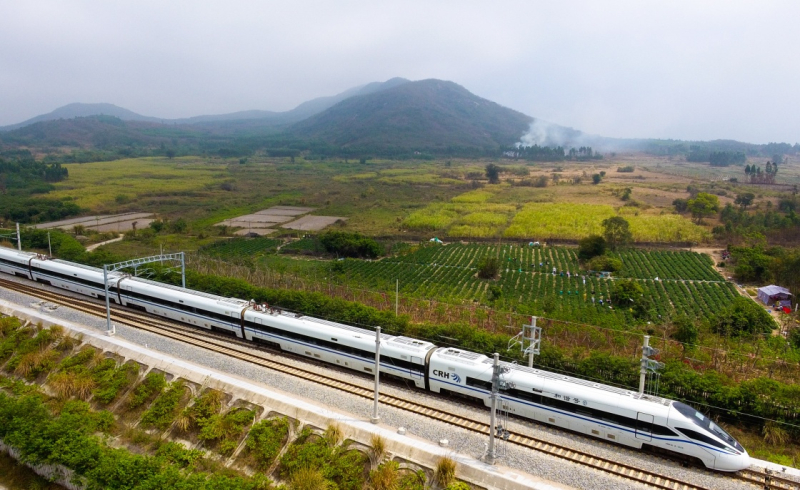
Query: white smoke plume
544, 133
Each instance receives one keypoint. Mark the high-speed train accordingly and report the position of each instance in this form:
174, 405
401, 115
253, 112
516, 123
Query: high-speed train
609, 413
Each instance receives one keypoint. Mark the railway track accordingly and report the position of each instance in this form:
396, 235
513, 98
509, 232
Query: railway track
768, 480
228, 346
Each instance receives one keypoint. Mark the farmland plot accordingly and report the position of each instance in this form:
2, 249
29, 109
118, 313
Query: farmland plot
676, 281
240, 248
643, 264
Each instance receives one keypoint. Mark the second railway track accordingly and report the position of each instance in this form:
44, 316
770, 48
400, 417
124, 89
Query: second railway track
229, 346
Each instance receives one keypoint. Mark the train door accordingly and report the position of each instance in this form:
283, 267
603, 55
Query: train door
417, 368
644, 426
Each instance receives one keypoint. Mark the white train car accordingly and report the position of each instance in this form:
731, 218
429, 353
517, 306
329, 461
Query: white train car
73, 277
336, 343
597, 410
15, 263
59, 273
203, 310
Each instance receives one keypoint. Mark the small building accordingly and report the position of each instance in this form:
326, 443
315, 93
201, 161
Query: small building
769, 295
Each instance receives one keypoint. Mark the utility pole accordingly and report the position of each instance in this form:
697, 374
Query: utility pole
135, 263
530, 335
19, 240
375, 418
491, 455
647, 364
643, 364
535, 341
109, 326
396, 295
49, 247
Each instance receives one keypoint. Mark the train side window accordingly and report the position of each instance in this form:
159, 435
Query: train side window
660, 430
478, 383
524, 395
393, 361
700, 437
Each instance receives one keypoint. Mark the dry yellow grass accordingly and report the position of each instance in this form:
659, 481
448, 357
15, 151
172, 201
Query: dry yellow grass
93, 185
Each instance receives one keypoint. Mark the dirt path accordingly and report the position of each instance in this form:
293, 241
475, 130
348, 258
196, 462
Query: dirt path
94, 246
716, 255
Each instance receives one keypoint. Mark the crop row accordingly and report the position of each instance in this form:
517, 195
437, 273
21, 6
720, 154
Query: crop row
527, 258
572, 297
639, 264
644, 264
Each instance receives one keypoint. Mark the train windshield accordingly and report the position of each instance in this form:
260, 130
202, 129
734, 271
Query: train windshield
699, 419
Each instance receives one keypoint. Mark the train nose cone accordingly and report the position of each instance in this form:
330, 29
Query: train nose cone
733, 462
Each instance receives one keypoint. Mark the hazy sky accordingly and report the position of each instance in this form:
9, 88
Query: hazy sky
670, 69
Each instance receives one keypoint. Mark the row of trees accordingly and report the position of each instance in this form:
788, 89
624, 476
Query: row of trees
583, 153
538, 153
717, 158
726, 158
756, 176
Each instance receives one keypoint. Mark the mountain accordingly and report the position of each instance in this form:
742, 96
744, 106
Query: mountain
93, 132
315, 106
254, 123
71, 111
423, 115
396, 116
241, 119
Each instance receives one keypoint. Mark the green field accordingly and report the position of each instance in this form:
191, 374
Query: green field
676, 281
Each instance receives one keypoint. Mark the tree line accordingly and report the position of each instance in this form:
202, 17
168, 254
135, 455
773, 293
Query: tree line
536, 153
715, 158
756, 176
21, 178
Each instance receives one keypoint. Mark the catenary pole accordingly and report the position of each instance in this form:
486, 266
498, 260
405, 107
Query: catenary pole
491, 455
375, 418
533, 334
109, 327
643, 368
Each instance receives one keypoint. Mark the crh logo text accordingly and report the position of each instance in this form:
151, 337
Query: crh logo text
446, 375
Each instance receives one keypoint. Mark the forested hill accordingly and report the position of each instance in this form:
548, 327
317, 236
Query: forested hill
424, 115
71, 111
242, 120
98, 132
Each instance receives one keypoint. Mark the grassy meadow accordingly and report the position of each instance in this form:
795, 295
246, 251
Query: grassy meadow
100, 185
